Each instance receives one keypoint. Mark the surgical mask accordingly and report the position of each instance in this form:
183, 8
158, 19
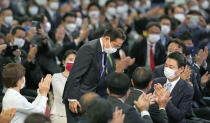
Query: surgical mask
69, 65
205, 5
24, 83
137, 4
71, 27
33, 10
165, 29
54, 5
27, 28
102, 2
196, 8
79, 22
122, 9
179, 17
111, 11
41, 2
153, 38
86, 2
169, 73
8, 20
19, 42
47, 27
194, 20
191, 50
94, 13
110, 50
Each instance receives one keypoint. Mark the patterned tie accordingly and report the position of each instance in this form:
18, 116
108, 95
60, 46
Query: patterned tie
152, 61
102, 63
168, 87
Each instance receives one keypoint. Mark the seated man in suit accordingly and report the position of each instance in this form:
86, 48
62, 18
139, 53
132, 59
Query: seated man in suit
180, 105
118, 90
141, 82
149, 51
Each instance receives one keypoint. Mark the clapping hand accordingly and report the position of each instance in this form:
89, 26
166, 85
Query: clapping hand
118, 116
44, 85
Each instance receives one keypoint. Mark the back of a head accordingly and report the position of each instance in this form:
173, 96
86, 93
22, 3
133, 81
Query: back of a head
86, 99
141, 77
99, 111
118, 83
37, 118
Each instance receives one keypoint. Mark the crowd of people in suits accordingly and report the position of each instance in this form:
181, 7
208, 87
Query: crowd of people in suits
104, 61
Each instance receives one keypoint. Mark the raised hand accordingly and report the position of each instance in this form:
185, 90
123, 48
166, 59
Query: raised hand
44, 85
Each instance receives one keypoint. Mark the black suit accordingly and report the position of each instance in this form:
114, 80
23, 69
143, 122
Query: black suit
86, 73
131, 115
180, 106
139, 52
134, 95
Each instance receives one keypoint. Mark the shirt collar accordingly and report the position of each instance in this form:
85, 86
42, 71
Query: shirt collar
101, 42
173, 83
121, 100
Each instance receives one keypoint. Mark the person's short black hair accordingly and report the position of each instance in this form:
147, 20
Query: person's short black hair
178, 57
14, 30
176, 41
165, 17
168, 6
99, 111
179, 6
3, 10
185, 36
141, 77
115, 33
194, 12
69, 14
2, 36
118, 83
109, 1
151, 24
93, 4
174, 23
67, 53
37, 118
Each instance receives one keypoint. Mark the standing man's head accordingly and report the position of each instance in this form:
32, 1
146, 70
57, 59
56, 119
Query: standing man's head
7, 15
113, 39
141, 78
153, 32
175, 45
37, 118
69, 21
18, 36
174, 66
165, 23
118, 85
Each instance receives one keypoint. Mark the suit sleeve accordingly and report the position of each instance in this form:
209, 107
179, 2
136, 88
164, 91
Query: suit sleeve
133, 117
80, 67
164, 116
183, 108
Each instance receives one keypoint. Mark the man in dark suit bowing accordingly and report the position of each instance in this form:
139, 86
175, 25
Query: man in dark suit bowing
88, 72
180, 106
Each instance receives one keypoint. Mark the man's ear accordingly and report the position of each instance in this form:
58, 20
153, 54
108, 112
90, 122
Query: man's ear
149, 85
108, 91
132, 83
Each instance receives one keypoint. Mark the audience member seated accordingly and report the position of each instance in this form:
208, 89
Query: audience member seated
13, 76
58, 113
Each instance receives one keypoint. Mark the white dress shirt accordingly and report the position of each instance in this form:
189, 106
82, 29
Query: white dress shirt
58, 83
14, 99
173, 83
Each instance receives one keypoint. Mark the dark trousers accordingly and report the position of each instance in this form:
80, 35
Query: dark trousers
71, 117
203, 112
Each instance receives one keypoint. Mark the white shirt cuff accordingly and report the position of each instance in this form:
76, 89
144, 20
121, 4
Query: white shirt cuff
143, 113
197, 66
76, 42
162, 109
71, 100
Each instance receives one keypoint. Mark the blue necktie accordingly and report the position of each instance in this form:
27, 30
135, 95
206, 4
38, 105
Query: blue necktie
168, 87
102, 62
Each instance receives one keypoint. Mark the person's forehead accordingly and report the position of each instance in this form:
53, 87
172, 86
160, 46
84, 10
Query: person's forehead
171, 62
153, 28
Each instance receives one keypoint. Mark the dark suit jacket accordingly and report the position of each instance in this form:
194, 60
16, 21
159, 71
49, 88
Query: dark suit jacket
180, 106
131, 115
85, 73
139, 52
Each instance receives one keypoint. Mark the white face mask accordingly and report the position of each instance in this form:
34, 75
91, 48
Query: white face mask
110, 50
33, 10
94, 14
54, 6
8, 20
153, 38
71, 27
111, 11
137, 4
79, 22
41, 2
19, 42
24, 83
205, 5
179, 17
196, 8
102, 2
169, 73
165, 29
122, 9
47, 27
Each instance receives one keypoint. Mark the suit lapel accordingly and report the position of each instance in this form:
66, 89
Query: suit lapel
177, 89
99, 56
